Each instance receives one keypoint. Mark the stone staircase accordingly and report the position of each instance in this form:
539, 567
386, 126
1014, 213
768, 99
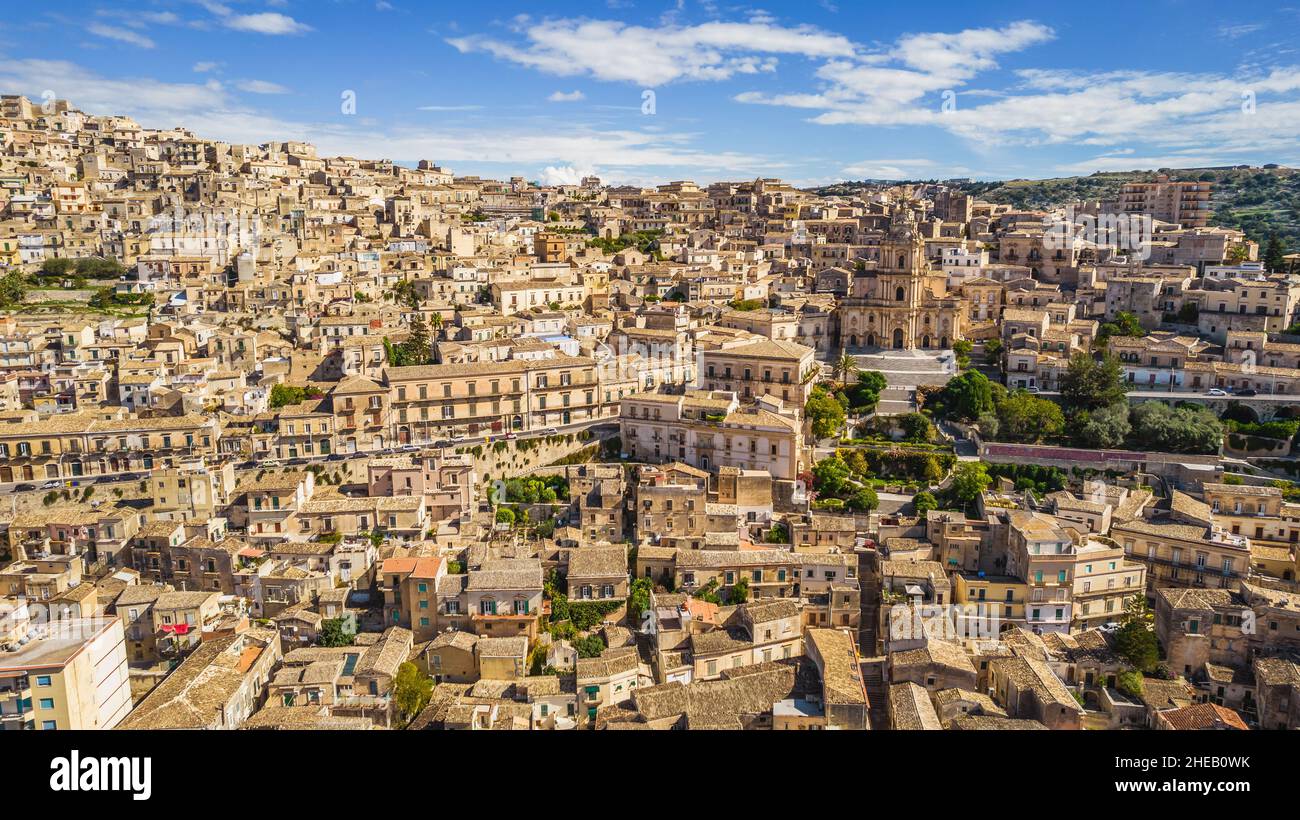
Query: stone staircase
873, 678
904, 371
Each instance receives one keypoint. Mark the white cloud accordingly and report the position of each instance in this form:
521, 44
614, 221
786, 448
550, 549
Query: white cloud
122, 35
159, 101
136, 18
567, 96
564, 175
890, 169
885, 87
267, 22
908, 84
614, 51
204, 67
261, 87
1232, 32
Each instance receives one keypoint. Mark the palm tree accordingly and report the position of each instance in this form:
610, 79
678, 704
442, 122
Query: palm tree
845, 366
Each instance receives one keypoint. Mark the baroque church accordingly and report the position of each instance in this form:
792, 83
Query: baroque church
900, 302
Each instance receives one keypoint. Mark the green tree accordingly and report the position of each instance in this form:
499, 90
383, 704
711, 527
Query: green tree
1102, 428
333, 633
1137, 644
56, 267
968, 395
12, 289
923, 502
1274, 254
418, 347
1186, 429
1129, 683
917, 429
989, 425
969, 481
845, 367
993, 352
505, 515
412, 690
830, 476
863, 499
962, 349
1125, 324
738, 593
864, 394
1027, 418
825, 413
1089, 384
286, 394
638, 600
92, 267
779, 534
589, 646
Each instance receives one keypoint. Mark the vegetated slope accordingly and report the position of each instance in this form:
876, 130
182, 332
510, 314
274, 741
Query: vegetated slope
1258, 201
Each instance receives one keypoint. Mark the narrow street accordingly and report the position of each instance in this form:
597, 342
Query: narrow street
873, 667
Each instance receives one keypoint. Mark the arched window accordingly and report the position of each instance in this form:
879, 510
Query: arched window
902, 261
899, 294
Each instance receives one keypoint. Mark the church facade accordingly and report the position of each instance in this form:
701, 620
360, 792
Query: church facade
900, 303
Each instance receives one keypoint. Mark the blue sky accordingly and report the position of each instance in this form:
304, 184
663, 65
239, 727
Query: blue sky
811, 92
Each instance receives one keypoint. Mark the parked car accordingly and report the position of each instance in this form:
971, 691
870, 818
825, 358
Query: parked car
270, 462
1248, 392
410, 448
550, 431
1214, 391
51, 485
22, 488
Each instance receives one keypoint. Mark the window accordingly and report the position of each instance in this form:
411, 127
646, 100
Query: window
42, 680
47, 703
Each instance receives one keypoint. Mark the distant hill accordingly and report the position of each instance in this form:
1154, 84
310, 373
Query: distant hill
1258, 201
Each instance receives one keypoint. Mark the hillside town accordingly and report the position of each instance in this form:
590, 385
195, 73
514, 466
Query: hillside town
292, 441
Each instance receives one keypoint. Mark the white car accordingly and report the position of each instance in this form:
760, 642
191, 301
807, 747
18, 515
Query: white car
270, 462
1214, 391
